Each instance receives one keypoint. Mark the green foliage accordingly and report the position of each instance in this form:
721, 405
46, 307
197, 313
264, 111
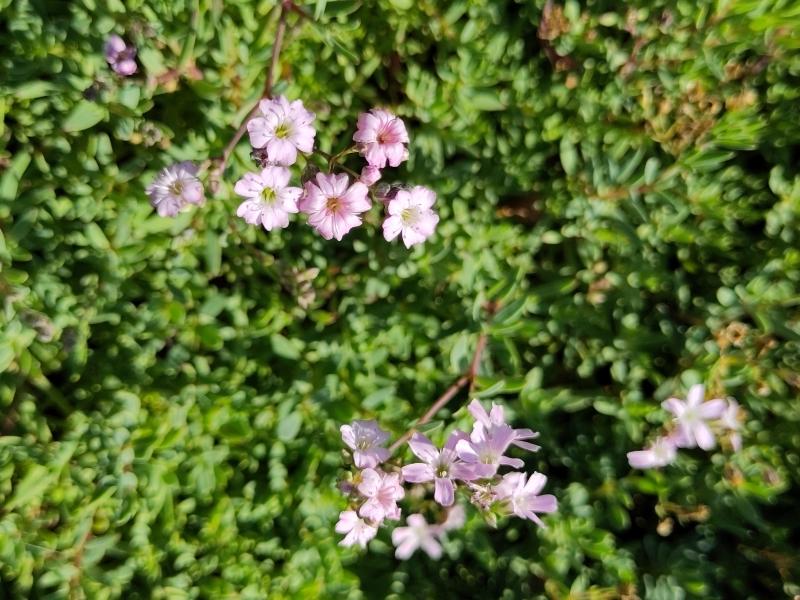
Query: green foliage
623, 176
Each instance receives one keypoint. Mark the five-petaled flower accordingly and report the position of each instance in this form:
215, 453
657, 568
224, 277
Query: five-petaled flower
381, 137
411, 215
523, 497
333, 206
489, 451
282, 129
174, 187
661, 453
270, 199
382, 491
357, 529
366, 441
443, 467
691, 417
417, 534
493, 423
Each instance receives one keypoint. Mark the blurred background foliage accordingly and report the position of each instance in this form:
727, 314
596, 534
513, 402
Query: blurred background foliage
621, 176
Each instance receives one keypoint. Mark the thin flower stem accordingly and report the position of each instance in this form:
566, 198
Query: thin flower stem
459, 384
467, 378
265, 93
331, 158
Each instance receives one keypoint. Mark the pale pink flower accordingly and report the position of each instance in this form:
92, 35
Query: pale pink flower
283, 129
691, 417
382, 491
442, 467
357, 529
381, 137
455, 519
418, 534
488, 425
411, 215
522, 497
730, 421
366, 439
661, 453
332, 206
370, 175
120, 56
489, 450
175, 187
270, 199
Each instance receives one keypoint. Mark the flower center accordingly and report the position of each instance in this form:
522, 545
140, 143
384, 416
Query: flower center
691, 416
442, 472
489, 458
333, 204
362, 444
268, 195
176, 188
282, 131
409, 216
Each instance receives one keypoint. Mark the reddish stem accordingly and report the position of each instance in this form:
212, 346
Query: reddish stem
266, 92
467, 378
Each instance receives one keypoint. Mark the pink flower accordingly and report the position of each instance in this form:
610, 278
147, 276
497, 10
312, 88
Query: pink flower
730, 421
489, 451
333, 207
492, 424
523, 497
442, 467
418, 534
411, 215
370, 175
691, 417
366, 439
455, 519
382, 491
358, 530
175, 187
120, 56
269, 197
283, 129
381, 137
661, 453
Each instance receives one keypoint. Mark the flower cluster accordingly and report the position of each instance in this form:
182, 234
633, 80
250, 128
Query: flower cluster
467, 461
694, 425
334, 203
374, 492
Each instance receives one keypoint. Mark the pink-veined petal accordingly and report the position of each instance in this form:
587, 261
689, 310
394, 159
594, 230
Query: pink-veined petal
444, 491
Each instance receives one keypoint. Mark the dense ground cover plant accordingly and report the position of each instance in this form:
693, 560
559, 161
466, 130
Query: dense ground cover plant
617, 205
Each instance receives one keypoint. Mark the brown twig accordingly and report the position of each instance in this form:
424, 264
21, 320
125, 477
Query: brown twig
468, 378
272, 69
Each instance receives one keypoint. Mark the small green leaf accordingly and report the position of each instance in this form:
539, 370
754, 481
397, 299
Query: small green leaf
569, 156
289, 427
31, 488
284, 347
84, 115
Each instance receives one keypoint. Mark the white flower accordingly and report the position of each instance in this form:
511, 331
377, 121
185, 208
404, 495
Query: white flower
175, 187
357, 529
691, 417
